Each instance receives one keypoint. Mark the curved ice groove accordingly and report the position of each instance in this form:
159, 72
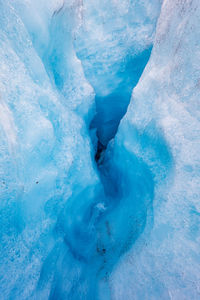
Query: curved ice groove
96, 234
95, 227
96, 237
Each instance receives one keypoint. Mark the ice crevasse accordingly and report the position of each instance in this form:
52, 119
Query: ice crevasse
99, 149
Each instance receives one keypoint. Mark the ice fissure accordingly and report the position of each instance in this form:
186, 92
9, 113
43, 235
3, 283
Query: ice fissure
95, 242
59, 221
98, 143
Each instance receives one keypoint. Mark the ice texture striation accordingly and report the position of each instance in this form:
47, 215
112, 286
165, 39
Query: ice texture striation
127, 225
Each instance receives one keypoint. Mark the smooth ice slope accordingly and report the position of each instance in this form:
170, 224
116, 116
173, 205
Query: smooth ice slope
161, 131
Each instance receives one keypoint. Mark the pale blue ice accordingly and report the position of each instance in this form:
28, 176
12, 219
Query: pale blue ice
99, 149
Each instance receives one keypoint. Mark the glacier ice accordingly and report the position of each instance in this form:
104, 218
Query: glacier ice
40, 140
127, 225
129, 27
161, 129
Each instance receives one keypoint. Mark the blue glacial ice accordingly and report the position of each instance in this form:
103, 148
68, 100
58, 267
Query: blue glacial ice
99, 149
129, 27
161, 130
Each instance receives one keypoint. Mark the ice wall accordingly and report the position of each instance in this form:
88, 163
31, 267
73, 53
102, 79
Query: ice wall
161, 130
45, 156
114, 42
51, 29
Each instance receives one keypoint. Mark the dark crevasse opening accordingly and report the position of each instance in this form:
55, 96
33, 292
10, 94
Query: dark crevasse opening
97, 226
111, 108
127, 180
117, 216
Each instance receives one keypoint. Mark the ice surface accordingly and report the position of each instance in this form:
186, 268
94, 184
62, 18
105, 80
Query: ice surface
44, 147
161, 130
128, 226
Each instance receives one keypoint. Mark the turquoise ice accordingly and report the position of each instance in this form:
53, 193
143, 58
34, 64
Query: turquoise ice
99, 149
